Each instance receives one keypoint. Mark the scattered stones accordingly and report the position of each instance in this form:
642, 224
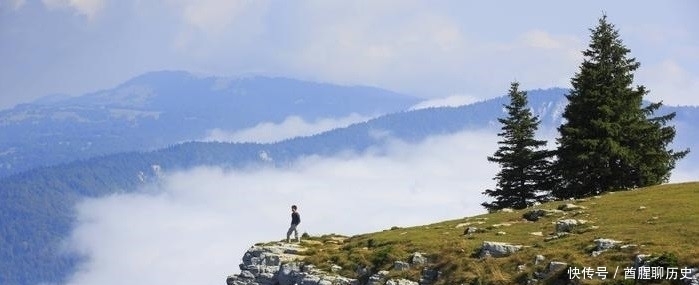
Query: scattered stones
521, 268
461, 225
377, 278
308, 268
401, 265
567, 225
363, 271
539, 234
429, 276
693, 277
498, 249
552, 268
570, 207
417, 259
640, 260
539, 259
641, 208
534, 215
605, 243
501, 233
602, 245
507, 210
652, 220
335, 268
470, 230
556, 266
557, 236
645, 260
501, 225
401, 282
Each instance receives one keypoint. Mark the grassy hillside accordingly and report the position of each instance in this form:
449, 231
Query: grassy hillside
661, 220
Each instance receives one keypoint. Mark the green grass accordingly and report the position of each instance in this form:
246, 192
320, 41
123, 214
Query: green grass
659, 219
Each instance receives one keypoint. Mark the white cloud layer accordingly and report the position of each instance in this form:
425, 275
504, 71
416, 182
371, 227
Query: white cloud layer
194, 228
451, 101
291, 127
670, 82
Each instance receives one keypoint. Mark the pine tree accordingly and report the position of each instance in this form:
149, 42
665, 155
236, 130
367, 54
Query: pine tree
523, 176
609, 140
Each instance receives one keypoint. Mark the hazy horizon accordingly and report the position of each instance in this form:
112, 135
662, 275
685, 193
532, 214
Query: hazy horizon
428, 50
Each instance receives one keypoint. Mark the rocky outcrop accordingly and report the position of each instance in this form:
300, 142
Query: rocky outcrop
280, 264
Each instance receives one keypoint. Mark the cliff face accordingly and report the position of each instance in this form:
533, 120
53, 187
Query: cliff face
281, 263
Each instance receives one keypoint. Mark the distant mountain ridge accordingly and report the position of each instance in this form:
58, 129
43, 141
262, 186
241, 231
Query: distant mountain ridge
163, 108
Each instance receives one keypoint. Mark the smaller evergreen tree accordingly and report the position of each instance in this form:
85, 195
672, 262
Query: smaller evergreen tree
523, 178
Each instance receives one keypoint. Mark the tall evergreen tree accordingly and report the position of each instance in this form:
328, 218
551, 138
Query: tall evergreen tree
523, 174
610, 140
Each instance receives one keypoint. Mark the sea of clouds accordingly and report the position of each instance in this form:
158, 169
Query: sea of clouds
194, 226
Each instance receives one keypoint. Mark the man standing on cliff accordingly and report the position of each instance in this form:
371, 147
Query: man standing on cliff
295, 221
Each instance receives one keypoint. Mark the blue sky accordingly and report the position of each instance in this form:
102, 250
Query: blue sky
431, 49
